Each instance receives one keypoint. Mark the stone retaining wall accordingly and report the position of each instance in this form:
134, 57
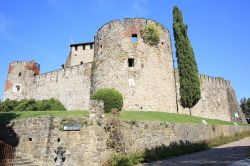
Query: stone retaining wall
40, 137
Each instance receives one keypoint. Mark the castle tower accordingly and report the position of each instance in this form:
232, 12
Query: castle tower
144, 74
80, 53
17, 83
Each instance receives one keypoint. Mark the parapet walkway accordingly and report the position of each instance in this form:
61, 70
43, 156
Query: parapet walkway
224, 155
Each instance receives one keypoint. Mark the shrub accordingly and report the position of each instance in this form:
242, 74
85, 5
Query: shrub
111, 98
8, 105
151, 34
52, 104
26, 105
31, 105
126, 159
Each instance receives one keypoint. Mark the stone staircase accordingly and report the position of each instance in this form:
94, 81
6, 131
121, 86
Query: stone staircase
9, 158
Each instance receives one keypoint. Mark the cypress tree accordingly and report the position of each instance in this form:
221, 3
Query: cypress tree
188, 70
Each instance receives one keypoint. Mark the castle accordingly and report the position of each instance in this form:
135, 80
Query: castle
119, 58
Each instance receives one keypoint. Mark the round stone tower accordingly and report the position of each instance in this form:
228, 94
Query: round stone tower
19, 79
144, 74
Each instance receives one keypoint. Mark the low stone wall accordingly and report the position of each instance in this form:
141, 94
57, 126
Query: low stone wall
39, 138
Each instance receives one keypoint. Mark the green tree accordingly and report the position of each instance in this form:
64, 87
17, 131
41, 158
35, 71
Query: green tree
245, 106
188, 70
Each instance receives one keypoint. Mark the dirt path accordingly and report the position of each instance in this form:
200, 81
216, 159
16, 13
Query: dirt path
223, 155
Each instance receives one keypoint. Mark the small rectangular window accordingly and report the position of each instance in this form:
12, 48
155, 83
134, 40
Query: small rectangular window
83, 47
131, 62
91, 46
134, 38
76, 48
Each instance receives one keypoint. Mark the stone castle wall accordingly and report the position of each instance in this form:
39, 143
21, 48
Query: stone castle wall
71, 86
218, 100
40, 137
148, 84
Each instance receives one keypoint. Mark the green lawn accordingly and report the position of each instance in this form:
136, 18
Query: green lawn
168, 117
29, 114
125, 115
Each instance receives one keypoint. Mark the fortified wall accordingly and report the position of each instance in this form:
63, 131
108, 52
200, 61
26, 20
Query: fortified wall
38, 139
218, 100
71, 86
119, 58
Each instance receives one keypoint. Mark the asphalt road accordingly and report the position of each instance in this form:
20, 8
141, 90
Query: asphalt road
232, 154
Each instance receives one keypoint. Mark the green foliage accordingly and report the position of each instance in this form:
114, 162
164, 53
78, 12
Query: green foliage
227, 139
5, 117
8, 105
173, 149
245, 106
126, 159
26, 105
151, 34
188, 70
169, 117
111, 98
31, 105
52, 104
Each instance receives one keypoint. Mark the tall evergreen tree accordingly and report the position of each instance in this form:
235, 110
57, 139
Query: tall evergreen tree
188, 70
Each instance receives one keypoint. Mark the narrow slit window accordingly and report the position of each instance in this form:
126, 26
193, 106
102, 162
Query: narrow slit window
76, 48
134, 38
81, 62
131, 62
19, 74
91, 46
83, 47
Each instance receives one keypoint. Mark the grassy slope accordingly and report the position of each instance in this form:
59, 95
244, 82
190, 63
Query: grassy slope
168, 117
125, 115
29, 114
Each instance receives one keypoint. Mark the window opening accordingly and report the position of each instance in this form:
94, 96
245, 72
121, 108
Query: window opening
134, 38
131, 62
16, 88
19, 74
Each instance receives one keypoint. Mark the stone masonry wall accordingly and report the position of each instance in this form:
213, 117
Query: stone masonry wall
218, 100
71, 86
40, 137
149, 84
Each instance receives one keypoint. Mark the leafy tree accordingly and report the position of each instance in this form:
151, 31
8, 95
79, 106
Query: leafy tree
245, 106
188, 70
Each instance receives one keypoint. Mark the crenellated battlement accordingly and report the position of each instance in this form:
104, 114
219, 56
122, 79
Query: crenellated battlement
215, 80
209, 79
131, 21
67, 69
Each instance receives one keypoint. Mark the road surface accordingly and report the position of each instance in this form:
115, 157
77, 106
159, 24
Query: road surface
232, 154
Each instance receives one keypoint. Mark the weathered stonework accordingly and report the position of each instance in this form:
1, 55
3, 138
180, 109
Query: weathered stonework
217, 100
40, 137
144, 75
149, 84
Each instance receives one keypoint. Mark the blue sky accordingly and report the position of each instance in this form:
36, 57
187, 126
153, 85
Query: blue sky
42, 30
